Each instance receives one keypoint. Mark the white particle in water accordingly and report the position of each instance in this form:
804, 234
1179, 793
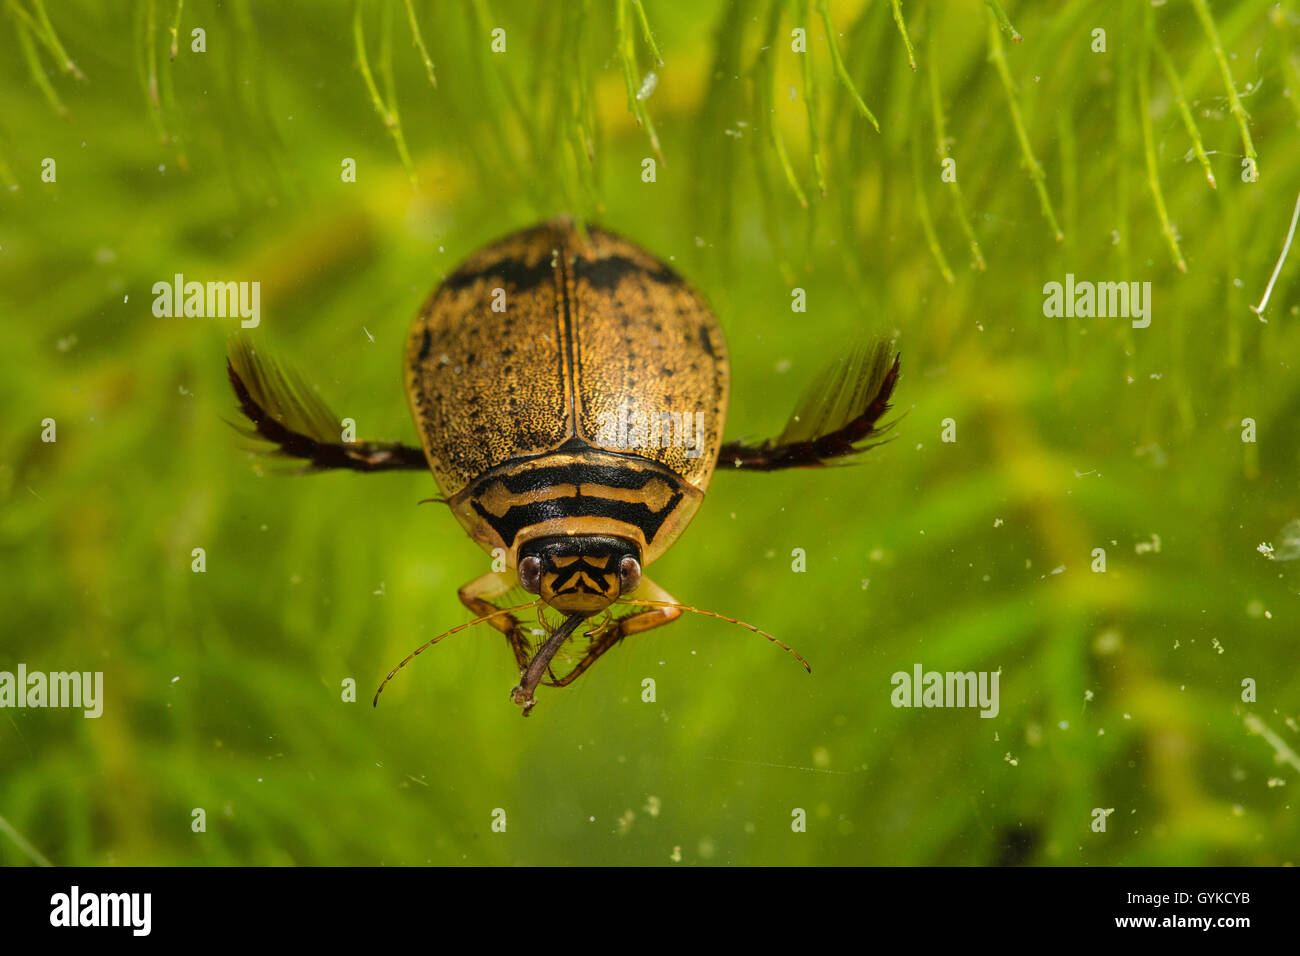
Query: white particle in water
1288, 548
648, 86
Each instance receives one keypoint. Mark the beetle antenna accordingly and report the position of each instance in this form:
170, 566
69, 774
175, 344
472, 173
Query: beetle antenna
428, 644
729, 620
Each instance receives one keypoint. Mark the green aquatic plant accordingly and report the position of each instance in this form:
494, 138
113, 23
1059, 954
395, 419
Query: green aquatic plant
1096, 510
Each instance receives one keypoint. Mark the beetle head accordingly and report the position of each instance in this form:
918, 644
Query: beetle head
579, 574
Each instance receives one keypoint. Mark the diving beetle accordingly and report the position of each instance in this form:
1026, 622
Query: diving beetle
570, 391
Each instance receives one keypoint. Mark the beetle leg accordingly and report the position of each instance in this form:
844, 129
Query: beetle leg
285, 412
833, 420
479, 596
632, 624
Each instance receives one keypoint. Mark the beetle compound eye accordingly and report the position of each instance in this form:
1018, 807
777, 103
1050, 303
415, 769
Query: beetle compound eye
629, 574
530, 574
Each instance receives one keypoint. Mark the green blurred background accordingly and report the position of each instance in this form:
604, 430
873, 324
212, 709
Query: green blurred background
1119, 690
